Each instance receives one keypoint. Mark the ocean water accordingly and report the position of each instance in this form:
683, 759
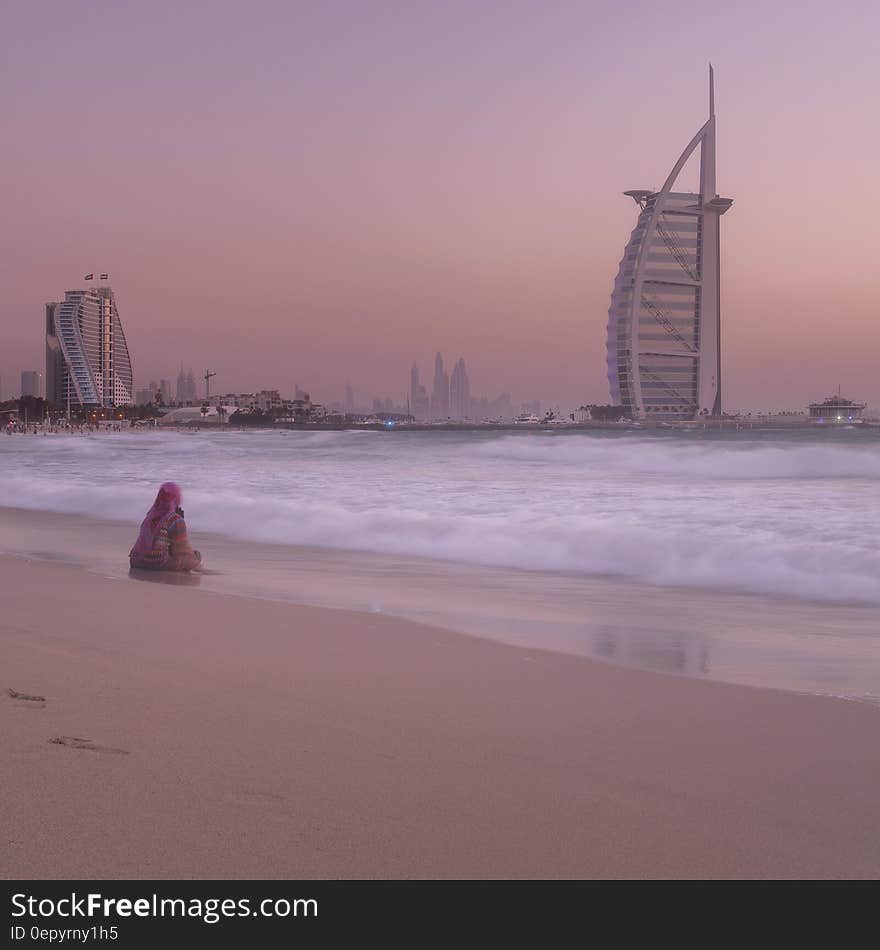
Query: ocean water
747, 557
793, 513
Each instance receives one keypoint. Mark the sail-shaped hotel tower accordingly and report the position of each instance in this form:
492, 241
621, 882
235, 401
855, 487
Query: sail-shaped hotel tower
664, 323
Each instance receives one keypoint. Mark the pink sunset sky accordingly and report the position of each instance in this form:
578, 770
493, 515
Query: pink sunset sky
321, 192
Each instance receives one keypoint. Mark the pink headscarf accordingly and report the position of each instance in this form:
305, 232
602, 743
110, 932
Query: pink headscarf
167, 501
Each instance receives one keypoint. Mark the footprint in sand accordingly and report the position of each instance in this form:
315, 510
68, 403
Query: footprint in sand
73, 742
27, 699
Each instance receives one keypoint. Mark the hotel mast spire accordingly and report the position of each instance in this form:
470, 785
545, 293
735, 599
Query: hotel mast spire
711, 92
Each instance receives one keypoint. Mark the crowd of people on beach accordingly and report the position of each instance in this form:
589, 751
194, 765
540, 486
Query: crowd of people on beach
89, 428
19, 428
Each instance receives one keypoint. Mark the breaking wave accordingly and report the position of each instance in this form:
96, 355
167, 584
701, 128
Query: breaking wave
798, 519
707, 459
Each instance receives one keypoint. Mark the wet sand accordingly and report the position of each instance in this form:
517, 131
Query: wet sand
756, 640
161, 730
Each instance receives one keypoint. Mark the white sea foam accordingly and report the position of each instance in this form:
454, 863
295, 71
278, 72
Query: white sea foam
665, 456
790, 515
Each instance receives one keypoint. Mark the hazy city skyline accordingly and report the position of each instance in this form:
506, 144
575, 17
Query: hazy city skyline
287, 193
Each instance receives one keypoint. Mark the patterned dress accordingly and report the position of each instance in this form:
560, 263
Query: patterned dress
171, 548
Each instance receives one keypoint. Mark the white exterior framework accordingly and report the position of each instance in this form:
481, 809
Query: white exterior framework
87, 358
664, 323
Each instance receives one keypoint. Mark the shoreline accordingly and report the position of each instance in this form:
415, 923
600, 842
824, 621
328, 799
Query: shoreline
812, 647
727, 425
226, 737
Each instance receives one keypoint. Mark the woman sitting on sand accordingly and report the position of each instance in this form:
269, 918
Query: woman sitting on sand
162, 544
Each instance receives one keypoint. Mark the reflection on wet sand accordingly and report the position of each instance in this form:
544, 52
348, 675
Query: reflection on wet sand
180, 578
668, 653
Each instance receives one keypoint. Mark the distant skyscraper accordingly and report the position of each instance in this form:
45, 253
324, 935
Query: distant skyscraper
440, 392
87, 358
181, 391
664, 323
414, 386
31, 383
501, 408
419, 404
459, 392
348, 405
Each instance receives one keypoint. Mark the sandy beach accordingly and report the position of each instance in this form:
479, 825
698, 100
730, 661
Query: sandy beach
163, 731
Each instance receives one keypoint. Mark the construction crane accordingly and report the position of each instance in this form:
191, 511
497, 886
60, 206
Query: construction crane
666, 323
670, 239
208, 377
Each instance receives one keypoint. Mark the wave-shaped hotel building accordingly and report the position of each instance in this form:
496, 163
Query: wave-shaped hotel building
87, 359
664, 323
